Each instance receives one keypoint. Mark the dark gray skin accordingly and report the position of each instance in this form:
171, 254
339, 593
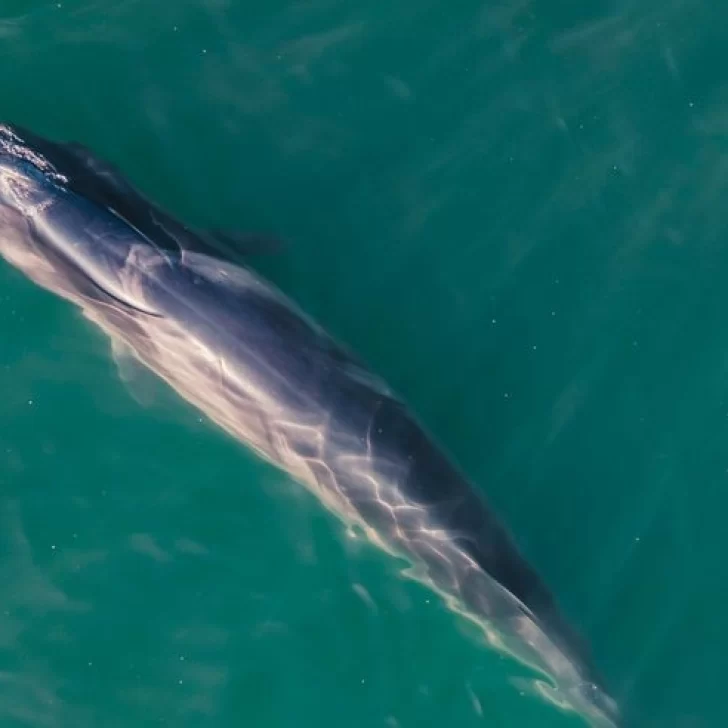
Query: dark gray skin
234, 346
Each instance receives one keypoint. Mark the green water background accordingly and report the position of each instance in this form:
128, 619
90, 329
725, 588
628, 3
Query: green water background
516, 213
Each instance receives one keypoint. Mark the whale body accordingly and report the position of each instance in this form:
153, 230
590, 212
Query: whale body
235, 347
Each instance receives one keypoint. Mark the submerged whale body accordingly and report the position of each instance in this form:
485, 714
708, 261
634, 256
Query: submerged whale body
235, 347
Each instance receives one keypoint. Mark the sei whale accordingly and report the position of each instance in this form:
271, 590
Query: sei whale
239, 350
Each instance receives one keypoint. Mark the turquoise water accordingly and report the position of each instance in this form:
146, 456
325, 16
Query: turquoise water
516, 214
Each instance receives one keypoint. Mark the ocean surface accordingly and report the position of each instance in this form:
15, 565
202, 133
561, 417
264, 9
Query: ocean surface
516, 212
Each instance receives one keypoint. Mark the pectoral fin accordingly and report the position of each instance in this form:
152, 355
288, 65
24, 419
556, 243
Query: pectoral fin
138, 380
247, 243
104, 184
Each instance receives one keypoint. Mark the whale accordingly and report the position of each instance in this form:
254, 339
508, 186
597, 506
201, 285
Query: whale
187, 305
